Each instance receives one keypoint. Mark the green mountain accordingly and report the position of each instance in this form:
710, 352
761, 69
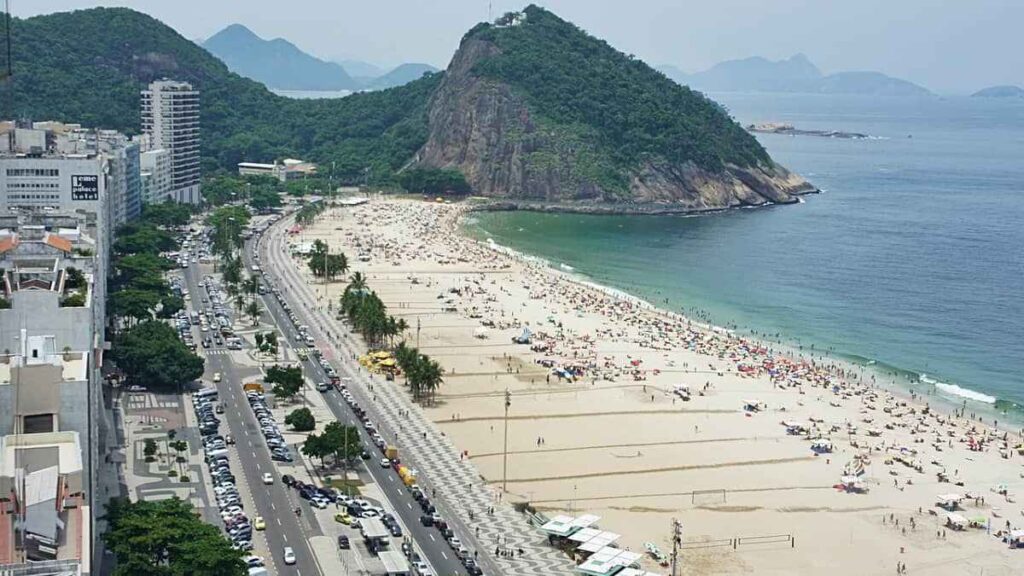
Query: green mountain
88, 66
276, 63
532, 108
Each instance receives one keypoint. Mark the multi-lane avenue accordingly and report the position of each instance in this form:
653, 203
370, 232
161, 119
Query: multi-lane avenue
275, 503
429, 541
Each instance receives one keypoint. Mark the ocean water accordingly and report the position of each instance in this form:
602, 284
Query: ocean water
912, 260
311, 94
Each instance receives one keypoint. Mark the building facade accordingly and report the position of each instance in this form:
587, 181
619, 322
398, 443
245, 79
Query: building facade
155, 175
170, 119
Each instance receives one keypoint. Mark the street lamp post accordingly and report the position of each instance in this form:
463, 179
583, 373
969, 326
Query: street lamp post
504, 465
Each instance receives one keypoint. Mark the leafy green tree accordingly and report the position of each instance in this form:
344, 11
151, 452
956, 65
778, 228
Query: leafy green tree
149, 447
220, 190
227, 224
167, 538
287, 380
168, 214
136, 304
263, 198
75, 278
151, 354
301, 420
433, 181
316, 446
170, 305
76, 300
141, 238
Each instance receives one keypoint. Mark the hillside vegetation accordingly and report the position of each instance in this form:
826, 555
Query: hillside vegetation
88, 66
635, 111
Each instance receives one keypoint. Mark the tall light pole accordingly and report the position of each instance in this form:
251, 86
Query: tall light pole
504, 465
677, 529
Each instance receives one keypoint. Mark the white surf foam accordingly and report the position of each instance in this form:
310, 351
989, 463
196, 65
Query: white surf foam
954, 390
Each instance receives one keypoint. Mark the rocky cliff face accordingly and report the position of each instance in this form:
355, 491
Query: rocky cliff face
483, 128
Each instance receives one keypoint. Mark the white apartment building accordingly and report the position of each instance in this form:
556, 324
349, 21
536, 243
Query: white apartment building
155, 174
170, 118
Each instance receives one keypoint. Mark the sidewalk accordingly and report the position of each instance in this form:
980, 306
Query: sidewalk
457, 481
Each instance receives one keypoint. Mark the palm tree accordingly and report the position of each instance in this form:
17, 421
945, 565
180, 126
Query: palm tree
253, 310
252, 285
239, 302
357, 283
432, 376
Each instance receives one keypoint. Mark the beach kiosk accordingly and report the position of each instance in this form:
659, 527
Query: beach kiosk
821, 446
376, 536
949, 502
854, 484
395, 563
956, 521
609, 561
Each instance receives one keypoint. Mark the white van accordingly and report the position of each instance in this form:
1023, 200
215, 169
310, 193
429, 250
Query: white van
213, 454
209, 393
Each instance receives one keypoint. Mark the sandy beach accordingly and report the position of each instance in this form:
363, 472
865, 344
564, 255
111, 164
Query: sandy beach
641, 416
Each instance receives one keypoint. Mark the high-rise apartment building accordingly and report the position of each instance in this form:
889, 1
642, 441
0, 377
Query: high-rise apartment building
170, 119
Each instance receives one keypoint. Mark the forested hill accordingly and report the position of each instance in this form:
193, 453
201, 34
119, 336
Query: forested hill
534, 108
529, 107
573, 78
88, 66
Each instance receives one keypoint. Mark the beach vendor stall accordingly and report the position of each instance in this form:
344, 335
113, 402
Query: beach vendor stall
821, 446
948, 501
956, 521
854, 484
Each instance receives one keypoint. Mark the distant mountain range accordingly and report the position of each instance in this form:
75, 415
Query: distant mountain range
1000, 92
281, 65
795, 74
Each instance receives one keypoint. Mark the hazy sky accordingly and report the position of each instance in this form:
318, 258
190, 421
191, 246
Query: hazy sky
946, 45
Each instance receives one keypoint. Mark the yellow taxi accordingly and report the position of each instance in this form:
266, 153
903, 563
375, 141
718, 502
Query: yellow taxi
260, 524
343, 518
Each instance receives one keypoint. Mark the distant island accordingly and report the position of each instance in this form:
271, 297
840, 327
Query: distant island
796, 74
281, 65
1000, 92
790, 130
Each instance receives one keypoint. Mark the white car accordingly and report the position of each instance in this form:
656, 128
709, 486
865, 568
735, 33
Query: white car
422, 569
268, 478
216, 376
385, 463
289, 555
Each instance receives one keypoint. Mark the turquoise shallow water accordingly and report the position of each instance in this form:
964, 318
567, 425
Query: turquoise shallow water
912, 259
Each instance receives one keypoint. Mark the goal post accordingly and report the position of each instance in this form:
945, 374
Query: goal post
703, 497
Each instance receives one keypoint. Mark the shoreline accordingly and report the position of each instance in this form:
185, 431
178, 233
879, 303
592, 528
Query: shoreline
596, 425
627, 209
892, 378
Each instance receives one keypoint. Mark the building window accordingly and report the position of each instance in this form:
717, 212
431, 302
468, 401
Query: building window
37, 424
